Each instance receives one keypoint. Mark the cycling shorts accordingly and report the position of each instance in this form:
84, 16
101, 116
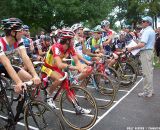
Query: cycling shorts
3, 70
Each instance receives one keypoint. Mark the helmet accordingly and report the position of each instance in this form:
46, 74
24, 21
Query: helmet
12, 24
53, 28
45, 38
105, 23
66, 34
86, 30
25, 27
127, 27
76, 26
98, 29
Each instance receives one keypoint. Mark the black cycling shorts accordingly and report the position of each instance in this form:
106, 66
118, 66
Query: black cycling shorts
3, 70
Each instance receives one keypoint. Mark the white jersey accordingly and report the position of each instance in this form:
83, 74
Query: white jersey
78, 47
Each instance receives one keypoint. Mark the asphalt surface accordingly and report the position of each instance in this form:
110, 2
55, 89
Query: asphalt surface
128, 112
133, 112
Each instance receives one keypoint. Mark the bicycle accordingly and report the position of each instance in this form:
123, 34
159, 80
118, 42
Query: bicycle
30, 108
71, 101
104, 84
126, 70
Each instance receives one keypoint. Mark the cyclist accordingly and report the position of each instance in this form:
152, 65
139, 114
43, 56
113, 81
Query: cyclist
42, 46
107, 37
86, 33
79, 43
94, 42
53, 34
53, 64
11, 44
28, 43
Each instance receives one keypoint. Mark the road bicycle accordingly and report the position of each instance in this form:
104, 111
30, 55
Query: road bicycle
126, 70
36, 114
72, 100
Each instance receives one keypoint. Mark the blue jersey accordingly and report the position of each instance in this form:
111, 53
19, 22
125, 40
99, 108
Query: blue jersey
26, 43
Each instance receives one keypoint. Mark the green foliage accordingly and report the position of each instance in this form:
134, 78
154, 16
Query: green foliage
42, 14
45, 13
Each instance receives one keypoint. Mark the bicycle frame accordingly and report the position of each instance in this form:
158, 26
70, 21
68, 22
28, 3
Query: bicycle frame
64, 86
10, 119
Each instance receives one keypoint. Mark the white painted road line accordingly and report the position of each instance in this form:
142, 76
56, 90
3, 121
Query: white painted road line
107, 112
22, 124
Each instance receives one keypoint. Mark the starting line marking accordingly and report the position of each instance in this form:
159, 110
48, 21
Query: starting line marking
107, 112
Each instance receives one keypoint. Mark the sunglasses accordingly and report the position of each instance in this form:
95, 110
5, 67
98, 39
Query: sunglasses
98, 32
144, 21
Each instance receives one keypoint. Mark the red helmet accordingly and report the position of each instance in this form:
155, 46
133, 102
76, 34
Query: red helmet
66, 34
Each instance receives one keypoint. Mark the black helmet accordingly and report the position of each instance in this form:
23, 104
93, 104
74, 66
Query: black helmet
25, 27
45, 38
12, 24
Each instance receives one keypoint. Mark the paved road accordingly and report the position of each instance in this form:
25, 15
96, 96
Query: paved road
129, 112
133, 112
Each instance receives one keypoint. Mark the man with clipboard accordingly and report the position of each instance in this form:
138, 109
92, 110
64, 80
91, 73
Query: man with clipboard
146, 45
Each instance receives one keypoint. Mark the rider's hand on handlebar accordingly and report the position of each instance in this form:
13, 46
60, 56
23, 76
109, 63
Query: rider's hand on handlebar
99, 54
18, 87
129, 49
36, 80
89, 63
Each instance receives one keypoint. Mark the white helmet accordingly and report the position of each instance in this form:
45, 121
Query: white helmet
105, 23
86, 30
76, 26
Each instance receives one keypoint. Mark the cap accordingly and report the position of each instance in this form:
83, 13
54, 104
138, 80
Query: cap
148, 18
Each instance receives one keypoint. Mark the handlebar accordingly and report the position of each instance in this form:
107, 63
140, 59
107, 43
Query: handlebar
64, 77
29, 83
64, 59
37, 62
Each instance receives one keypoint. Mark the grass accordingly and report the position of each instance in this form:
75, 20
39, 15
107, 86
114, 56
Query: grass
156, 63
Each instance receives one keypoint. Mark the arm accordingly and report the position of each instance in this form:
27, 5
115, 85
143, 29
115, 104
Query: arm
12, 73
83, 59
27, 62
41, 53
108, 41
31, 45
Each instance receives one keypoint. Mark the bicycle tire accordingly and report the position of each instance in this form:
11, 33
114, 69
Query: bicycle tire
9, 89
114, 77
68, 113
38, 108
104, 90
125, 70
6, 114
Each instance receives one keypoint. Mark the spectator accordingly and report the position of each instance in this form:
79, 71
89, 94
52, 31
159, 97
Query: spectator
157, 45
146, 44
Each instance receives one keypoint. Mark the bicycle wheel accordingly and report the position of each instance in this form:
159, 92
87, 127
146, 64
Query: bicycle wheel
8, 88
6, 115
103, 91
39, 115
82, 98
114, 77
127, 73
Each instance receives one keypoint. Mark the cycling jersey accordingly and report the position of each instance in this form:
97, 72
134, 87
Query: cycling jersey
78, 47
9, 51
93, 44
105, 36
27, 43
40, 46
54, 51
6, 49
